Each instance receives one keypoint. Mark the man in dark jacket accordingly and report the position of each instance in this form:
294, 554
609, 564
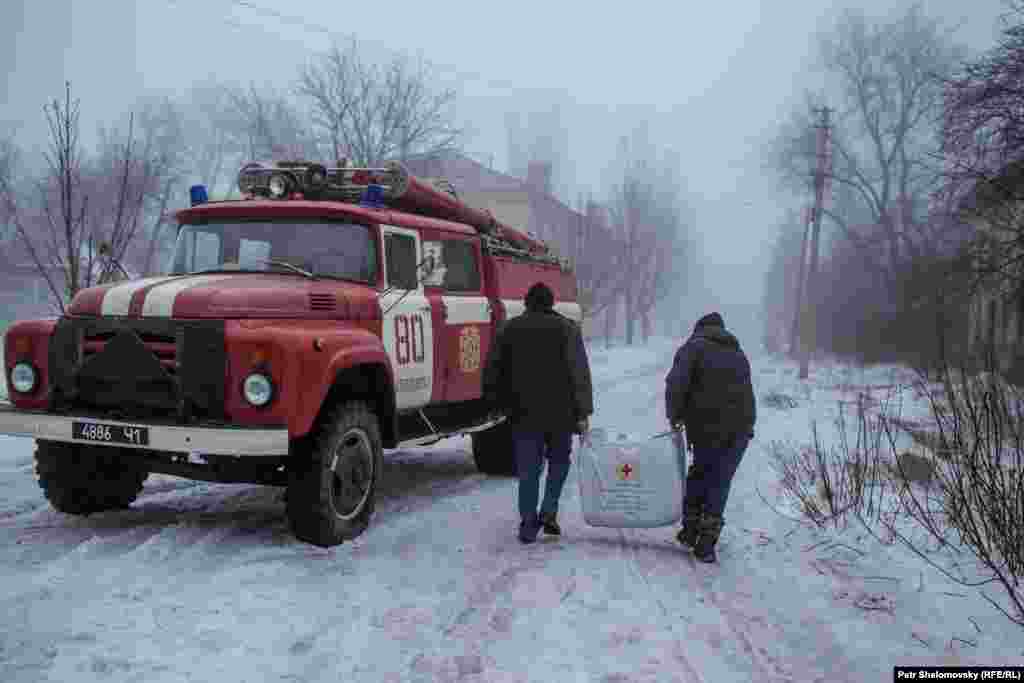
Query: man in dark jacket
709, 391
538, 376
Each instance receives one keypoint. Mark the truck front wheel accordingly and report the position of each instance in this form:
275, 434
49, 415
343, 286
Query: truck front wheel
492, 451
332, 488
81, 480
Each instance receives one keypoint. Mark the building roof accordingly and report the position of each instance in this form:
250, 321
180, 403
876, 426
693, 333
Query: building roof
465, 174
470, 176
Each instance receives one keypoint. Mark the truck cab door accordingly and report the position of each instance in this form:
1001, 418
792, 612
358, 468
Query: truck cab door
467, 327
406, 319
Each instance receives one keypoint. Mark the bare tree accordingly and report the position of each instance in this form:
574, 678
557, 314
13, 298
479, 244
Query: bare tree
983, 143
53, 236
369, 113
8, 162
165, 154
126, 174
669, 254
269, 125
646, 243
88, 210
780, 295
598, 272
215, 143
646, 215
886, 82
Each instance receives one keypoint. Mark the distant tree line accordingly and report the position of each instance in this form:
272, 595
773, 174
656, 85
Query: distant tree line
919, 130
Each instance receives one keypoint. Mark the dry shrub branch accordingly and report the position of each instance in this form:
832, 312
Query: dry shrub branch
961, 493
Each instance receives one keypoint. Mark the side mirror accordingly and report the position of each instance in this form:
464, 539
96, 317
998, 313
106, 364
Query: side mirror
428, 266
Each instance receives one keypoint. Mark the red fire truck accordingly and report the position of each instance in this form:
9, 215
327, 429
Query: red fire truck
329, 314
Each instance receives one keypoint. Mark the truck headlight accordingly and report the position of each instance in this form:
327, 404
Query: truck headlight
279, 186
23, 378
258, 389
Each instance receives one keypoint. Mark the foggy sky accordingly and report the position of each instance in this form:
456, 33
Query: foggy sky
711, 80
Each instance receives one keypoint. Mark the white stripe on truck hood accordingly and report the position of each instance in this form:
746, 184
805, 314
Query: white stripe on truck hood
160, 300
118, 298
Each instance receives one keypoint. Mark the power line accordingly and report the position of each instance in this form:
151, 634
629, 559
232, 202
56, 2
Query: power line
462, 75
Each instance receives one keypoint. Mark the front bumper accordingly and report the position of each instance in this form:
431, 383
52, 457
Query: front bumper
236, 441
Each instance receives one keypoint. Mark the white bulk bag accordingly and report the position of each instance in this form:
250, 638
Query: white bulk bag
631, 483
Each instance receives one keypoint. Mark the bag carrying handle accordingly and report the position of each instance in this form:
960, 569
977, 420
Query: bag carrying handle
678, 439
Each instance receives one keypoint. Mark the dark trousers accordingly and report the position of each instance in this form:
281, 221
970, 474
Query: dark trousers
710, 476
531, 449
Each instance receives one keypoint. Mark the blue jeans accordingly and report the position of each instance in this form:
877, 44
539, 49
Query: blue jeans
531, 449
710, 476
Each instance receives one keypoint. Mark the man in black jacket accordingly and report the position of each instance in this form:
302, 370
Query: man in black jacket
710, 392
538, 376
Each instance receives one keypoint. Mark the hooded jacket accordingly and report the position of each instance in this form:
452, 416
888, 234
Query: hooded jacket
709, 388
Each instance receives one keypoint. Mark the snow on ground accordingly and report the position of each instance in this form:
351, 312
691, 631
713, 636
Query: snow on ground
202, 582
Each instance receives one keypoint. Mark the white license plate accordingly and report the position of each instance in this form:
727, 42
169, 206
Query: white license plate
108, 433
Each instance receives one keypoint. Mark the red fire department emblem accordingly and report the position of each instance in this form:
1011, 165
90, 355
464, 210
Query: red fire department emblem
469, 349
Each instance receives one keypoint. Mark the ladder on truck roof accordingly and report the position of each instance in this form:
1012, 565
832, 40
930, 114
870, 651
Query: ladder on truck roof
394, 186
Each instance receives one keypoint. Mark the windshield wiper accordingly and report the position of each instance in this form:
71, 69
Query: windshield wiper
290, 266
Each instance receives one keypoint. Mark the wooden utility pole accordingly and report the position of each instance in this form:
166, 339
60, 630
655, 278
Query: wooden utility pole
821, 172
794, 334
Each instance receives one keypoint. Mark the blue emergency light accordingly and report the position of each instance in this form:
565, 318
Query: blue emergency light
197, 193
373, 197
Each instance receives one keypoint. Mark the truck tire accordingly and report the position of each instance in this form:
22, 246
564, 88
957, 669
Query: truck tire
492, 451
81, 480
331, 492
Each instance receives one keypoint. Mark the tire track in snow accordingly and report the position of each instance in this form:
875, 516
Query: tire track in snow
748, 626
632, 562
151, 531
519, 589
696, 584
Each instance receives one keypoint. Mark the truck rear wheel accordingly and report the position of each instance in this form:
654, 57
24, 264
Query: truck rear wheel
492, 451
81, 480
331, 492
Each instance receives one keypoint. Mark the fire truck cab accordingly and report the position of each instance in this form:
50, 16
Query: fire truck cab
329, 314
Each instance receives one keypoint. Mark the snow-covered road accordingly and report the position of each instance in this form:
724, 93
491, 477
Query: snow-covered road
203, 582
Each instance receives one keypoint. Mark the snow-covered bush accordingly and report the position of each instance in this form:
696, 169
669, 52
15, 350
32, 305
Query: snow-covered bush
971, 460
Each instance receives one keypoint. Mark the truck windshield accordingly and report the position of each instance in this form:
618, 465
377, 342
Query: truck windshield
326, 249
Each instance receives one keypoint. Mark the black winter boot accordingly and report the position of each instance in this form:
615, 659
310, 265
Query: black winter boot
528, 530
550, 524
692, 516
707, 537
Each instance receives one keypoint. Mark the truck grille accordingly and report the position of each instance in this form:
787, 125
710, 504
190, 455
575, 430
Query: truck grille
138, 368
163, 347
